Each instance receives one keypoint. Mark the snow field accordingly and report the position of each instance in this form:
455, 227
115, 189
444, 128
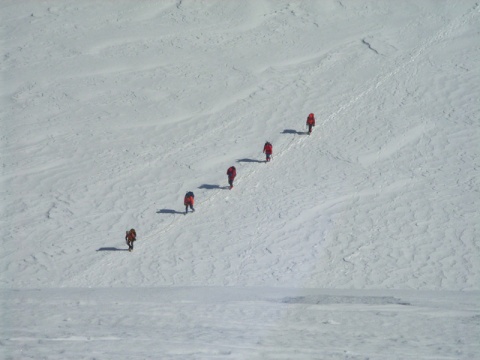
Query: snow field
359, 241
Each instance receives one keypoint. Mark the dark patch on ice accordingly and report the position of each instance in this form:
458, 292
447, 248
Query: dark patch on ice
338, 299
475, 319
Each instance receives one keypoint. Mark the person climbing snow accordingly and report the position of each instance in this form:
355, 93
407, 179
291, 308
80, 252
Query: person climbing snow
268, 150
189, 201
231, 172
130, 237
310, 123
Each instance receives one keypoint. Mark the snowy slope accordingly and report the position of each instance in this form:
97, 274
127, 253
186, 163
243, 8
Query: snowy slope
112, 111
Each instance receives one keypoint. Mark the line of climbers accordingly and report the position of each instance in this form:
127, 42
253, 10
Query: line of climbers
189, 199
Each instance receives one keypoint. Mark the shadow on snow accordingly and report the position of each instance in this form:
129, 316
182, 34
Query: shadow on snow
212, 187
169, 211
291, 131
250, 161
111, 249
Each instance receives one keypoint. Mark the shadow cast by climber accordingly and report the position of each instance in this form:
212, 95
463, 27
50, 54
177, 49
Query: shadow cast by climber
250, 161
111, 249
291, 131
168, 211
211, 187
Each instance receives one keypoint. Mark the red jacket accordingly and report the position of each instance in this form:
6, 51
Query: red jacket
131, 235
189, 200
232, 172
311, 120
268, 148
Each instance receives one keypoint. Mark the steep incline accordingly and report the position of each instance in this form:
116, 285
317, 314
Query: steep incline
117, 128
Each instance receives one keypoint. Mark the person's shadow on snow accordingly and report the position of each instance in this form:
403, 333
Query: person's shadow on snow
291, 131
211, 187
249, 161
169, 211
111, 249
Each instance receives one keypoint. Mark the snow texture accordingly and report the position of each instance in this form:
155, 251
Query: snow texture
360, 241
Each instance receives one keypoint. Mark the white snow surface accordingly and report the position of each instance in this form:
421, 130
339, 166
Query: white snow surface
360, 241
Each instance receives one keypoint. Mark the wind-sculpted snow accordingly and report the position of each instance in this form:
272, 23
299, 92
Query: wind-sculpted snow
112, 111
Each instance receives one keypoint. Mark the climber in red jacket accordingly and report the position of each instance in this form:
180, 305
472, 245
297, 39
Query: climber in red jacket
231, 172
310, 123
268, 150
